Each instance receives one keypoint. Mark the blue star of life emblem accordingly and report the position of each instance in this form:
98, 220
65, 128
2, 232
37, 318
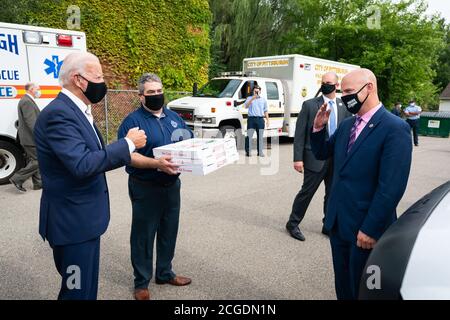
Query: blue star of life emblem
53, 66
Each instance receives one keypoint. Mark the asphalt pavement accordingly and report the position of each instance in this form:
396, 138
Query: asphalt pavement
232, 240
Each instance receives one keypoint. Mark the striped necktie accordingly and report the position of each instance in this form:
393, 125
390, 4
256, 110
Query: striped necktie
352, 139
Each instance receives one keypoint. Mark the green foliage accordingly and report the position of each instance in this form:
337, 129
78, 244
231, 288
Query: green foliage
409, 52
403, 51
244, 28
442, 66
170, 38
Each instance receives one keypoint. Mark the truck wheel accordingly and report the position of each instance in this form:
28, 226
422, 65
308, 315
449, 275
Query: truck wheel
11, 160
232, 132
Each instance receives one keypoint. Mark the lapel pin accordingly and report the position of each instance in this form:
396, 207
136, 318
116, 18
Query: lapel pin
340, 104
371, 125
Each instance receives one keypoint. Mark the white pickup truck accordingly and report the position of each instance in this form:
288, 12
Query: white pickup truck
286, 81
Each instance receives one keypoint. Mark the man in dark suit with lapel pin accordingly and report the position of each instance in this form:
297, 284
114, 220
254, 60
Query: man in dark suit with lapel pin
73, 160
315, 171
28, 111
372, 160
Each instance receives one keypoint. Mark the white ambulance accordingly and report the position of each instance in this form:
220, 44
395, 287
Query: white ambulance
28, 54
286, 81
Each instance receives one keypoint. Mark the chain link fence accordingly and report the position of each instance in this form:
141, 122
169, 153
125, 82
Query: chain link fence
116, 105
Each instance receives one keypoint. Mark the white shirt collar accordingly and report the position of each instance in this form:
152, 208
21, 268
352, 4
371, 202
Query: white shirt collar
83, 107
32, 98
326, 99
80, 104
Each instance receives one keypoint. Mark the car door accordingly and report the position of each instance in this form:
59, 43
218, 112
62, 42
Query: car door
275, 103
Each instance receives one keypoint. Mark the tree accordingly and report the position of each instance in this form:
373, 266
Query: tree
442, 66
395, 40
245, 28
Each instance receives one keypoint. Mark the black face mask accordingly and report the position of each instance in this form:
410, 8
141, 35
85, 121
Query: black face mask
352, 102
327, 88
95, 92
155, 102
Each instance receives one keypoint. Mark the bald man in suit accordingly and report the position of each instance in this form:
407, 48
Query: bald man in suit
372, 160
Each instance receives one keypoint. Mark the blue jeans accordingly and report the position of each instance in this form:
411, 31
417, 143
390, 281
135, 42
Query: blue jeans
254, 124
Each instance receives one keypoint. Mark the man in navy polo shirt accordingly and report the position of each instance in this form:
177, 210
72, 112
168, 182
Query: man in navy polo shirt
154, 188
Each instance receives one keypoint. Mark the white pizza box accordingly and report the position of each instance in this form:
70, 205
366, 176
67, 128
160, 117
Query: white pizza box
232, 157
191, 149
201, 170
204, 162
229, 143
200, 156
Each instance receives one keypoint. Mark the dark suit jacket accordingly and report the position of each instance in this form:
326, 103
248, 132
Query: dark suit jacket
28, 113
75, 199
370, 180
305, 120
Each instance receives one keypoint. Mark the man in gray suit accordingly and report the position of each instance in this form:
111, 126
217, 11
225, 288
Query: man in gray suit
28, 113
315, 171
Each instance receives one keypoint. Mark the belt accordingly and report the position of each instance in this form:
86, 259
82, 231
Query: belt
255, 117
153, 182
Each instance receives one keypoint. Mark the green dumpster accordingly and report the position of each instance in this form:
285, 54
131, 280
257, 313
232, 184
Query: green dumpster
435, 124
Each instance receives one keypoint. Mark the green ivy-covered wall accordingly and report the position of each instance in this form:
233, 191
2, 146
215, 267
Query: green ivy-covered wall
170, 38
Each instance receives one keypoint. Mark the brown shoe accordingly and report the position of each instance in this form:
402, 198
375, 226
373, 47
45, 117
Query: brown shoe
177, 281
141, 294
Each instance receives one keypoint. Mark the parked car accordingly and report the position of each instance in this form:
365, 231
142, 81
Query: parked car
413, 255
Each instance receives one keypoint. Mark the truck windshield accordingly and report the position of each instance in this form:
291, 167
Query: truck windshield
219, 88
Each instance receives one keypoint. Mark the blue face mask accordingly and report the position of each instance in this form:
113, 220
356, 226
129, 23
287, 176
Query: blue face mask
352, 102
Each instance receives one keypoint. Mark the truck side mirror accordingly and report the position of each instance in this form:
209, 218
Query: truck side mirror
238, 103
195, 89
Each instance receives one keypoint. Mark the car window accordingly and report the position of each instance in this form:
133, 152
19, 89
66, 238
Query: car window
272, 91
247, 89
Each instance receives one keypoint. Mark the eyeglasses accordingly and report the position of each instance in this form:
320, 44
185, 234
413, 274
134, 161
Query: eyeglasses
98, 78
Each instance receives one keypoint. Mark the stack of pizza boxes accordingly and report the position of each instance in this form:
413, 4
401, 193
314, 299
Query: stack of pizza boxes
200, 156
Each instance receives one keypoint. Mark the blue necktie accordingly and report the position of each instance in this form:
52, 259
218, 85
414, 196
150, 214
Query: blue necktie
332, 127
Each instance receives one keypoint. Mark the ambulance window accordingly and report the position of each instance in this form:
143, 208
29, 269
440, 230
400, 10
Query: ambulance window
272, 91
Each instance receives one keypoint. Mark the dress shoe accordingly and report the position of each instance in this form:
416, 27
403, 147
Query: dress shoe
325, 231
296, 233
141, 294
247, 154
18, 186
177, 281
